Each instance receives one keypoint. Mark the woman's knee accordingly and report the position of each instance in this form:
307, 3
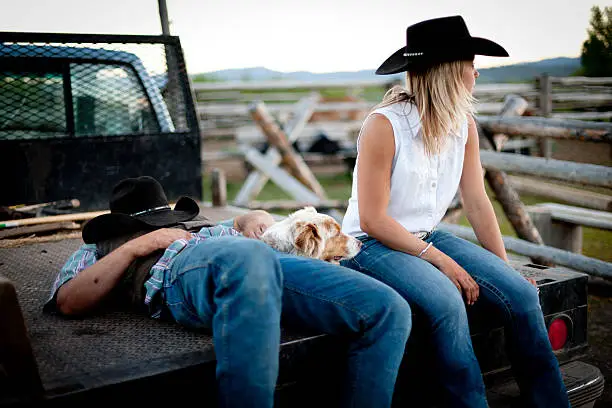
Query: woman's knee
447, 308
523, 298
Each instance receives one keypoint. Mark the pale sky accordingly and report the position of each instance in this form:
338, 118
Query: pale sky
312, 35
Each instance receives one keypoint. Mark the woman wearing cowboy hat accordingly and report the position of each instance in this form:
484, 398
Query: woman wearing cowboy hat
171, 263
415, 150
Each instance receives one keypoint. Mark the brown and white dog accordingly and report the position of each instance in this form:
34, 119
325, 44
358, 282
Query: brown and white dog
309, 233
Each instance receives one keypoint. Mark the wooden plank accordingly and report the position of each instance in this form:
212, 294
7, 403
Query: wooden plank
501, 88
288, 84
582, 97
280, 177
63, 204
304, 110
309, 158
582, 115
591, 266
242, 108
582, 198
256, 181
516, 144
548, 128
580, 80
335, 130
51, 219
288, 205
35, 229
590, 174
577, 215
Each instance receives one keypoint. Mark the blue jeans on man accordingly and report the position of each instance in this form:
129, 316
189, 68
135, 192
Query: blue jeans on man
240, 288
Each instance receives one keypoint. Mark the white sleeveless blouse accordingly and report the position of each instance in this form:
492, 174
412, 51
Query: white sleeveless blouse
422, 186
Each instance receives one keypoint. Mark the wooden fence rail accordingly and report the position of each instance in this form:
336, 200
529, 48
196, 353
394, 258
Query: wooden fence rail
223, 107
548, 128
592, 266
590, 174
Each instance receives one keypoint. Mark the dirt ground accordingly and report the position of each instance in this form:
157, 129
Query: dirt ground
600, 337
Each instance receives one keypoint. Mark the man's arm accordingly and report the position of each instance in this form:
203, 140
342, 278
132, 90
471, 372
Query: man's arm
91, 286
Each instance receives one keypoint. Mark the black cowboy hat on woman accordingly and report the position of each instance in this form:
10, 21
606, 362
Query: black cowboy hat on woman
416, 149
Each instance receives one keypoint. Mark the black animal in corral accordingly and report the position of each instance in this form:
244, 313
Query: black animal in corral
324, 145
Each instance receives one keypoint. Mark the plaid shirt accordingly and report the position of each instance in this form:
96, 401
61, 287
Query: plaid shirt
85, 256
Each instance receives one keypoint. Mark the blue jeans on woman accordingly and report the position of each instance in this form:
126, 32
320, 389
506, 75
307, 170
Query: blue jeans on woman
502, 288
240, 288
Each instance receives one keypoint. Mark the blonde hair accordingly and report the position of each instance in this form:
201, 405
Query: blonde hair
441, 98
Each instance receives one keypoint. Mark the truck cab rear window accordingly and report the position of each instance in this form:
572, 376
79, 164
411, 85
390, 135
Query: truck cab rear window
32, 105
98, 100
109, 100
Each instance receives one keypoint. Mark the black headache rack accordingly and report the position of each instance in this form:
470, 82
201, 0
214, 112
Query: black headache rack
120, 356
79, 112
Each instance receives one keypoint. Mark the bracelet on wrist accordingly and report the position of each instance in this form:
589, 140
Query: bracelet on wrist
424, 250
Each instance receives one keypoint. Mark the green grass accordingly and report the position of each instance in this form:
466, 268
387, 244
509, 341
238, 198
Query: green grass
596, 243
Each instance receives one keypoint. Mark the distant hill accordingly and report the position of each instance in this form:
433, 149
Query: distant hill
509, 73
527, 71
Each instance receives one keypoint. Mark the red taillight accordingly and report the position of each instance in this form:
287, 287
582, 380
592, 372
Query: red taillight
557, 333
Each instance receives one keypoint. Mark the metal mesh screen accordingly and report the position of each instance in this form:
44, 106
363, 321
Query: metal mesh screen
81, 88
32, 104
83, 110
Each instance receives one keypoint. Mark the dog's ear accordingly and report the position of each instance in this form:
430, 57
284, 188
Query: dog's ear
308, 241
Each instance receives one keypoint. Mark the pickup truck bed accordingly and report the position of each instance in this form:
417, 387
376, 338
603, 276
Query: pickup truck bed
118, 356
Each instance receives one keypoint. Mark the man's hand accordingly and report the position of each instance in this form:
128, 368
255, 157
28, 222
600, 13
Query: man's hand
158, 239
461, 279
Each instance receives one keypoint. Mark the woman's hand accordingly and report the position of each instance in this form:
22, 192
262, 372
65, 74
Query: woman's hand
158, 239
461, 279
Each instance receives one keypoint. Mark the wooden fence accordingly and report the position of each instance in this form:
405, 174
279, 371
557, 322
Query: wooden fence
288, 170
223, 107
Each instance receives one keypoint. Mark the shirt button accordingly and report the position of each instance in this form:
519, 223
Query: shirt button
433, 184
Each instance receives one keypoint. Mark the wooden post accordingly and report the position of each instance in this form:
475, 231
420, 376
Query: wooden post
219, 188
505, 194
277, 138
256, 180
545, 109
